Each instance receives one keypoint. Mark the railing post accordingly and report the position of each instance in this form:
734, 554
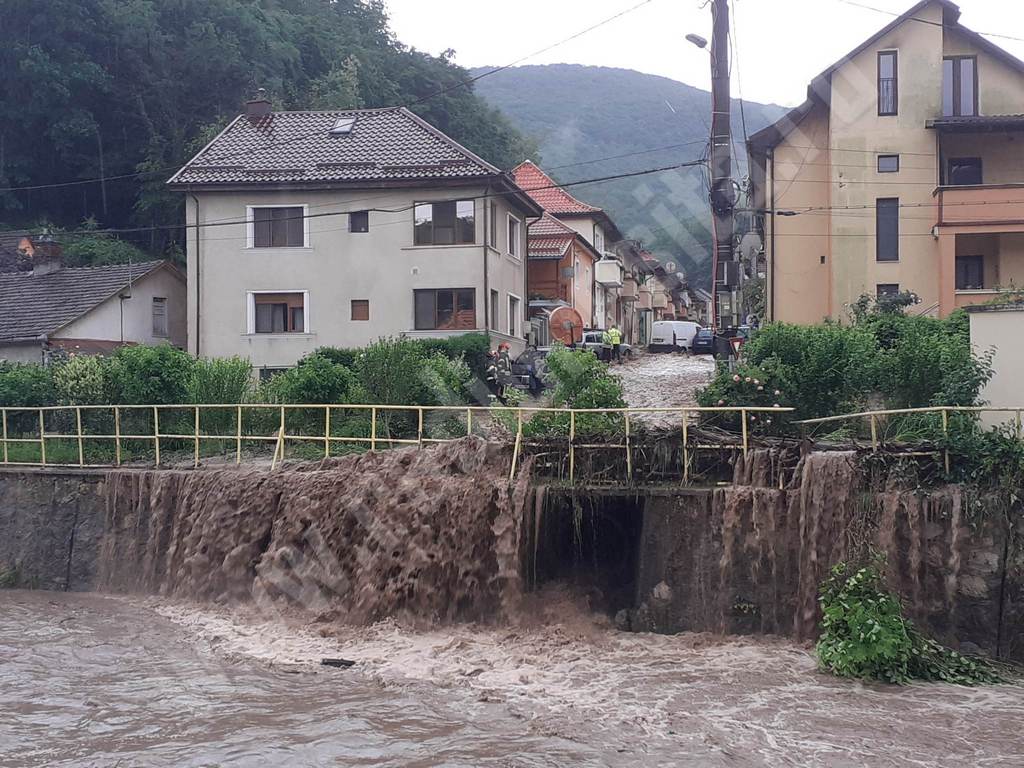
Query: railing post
78, 432
686, 447
572, 446
280, 437
419, 426
874, 433
3, 418
945, 433
327, 431
629, 451
746, 442
373, 428
156, 433
42, 437
117, 436
519, 442
469, 422
196, 461
1018, 423
238, 437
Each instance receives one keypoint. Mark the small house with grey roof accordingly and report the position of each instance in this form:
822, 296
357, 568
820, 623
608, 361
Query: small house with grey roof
88, 310
312, 229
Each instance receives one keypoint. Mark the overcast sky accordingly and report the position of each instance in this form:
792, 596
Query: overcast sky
782, 44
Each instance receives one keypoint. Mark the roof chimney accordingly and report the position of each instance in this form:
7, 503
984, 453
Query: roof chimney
46, 255
258, 108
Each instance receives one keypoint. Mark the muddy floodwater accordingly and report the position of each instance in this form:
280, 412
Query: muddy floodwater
89, 680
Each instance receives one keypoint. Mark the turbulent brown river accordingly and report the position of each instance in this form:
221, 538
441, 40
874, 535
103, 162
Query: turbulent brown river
93, 680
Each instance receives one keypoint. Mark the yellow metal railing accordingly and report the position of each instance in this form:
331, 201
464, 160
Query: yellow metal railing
514, 419
873, 419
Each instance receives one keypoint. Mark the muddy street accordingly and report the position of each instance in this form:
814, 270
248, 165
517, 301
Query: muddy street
664, 380
90, 680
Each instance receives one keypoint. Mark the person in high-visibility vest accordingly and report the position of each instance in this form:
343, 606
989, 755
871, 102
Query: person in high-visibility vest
615, 339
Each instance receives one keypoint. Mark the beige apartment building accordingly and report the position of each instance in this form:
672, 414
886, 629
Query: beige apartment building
903, 170
311, 229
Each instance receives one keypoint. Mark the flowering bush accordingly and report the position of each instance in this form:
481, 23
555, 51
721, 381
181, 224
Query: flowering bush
750, 387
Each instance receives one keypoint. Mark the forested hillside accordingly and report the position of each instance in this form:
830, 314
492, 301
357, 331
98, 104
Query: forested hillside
579, 114
107, 88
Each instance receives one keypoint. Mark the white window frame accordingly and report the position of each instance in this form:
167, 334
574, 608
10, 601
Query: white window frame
494, 307
250, 226
517, 228
515, 319
250, 312
598, 240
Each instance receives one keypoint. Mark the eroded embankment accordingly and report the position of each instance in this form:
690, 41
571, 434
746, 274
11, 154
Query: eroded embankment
422, 534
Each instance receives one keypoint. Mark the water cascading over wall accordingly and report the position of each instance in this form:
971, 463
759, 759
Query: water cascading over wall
750, 557
429, 535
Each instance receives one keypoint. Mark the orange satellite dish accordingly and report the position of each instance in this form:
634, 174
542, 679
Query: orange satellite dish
566, 326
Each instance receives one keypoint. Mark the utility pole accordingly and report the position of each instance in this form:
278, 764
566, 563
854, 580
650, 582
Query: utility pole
723, 193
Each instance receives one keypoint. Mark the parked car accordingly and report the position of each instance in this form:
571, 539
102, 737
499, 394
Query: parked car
672, 335
530, 370
594, 341
703, 342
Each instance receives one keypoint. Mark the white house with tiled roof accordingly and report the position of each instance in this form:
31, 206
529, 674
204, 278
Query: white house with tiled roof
311, 229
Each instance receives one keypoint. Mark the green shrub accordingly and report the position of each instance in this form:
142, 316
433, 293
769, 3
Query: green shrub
26, 385
220, 380
581, 381
316, 381
339, 355
82, 380
150, 375
864, 635
469, 347
750, 387
391, 372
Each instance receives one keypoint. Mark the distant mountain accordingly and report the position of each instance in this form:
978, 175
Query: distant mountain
579, 115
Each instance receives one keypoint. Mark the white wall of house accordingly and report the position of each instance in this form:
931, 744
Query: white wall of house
999, 329
135, 314
22, 353
335, 267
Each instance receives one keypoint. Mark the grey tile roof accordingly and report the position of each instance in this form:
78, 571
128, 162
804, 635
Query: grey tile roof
993, 122
36, 305
297, 148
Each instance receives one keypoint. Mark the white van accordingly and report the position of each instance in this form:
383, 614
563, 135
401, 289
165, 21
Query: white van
671, 335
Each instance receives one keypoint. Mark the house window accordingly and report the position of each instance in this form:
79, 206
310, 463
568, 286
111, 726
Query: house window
887, 289
888, 163
445, 309
277, 227
450, 222
359, 221
494, 310
887, 229
492, 237
959, 86
513, 315
160, 316
970, 273
266, 374
513, 235
278, 312
360, 309
598, 240
964, 171
888, 87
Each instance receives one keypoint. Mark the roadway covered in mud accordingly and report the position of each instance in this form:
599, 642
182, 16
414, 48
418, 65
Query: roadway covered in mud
89, 680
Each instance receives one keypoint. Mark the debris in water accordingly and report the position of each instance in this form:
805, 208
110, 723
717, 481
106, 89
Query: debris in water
345, 663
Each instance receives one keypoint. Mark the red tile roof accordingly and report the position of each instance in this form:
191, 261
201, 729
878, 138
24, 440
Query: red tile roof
545, 190
549, 238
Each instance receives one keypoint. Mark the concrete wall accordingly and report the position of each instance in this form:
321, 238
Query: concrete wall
105, 321
22, 353
51, 523
382, 266
1000, 329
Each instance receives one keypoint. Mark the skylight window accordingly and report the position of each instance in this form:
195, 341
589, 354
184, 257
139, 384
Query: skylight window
342, 126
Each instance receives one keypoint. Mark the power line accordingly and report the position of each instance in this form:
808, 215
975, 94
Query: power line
401, 209
294, 139
925, 21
